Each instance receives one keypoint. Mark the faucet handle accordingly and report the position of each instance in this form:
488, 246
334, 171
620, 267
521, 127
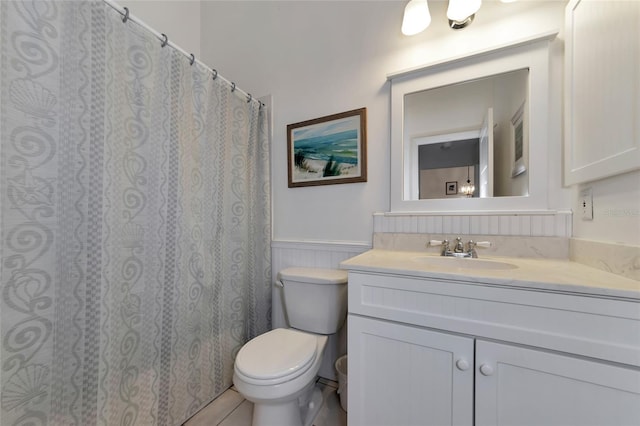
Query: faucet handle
443, 243
473, 244
471, 247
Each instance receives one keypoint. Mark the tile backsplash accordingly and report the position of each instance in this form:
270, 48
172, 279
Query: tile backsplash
510, 246
618, 259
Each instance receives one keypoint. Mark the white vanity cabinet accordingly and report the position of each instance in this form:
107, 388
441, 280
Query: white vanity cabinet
523, 386
433, 351
405, 375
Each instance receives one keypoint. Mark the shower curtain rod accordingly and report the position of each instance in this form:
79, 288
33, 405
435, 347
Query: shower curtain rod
126, 16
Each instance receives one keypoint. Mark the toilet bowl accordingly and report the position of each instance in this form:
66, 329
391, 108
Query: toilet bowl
277, 370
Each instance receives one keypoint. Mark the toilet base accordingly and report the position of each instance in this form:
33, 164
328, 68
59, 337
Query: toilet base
299, 412
313, 406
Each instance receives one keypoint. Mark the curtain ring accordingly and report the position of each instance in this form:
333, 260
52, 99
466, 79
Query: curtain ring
215, 73
193, 59
125, 18
164, 41
233, 87
249, 97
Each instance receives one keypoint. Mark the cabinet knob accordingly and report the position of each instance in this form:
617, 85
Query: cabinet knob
486, 370
462, 364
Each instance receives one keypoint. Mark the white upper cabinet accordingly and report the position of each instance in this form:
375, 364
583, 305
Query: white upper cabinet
602, 89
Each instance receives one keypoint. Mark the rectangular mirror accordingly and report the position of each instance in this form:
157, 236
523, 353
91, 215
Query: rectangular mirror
473, 133
482, 117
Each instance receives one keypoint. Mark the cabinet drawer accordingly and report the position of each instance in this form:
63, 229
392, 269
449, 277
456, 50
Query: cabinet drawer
590, 326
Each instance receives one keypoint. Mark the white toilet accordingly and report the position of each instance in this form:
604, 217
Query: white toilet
277, 370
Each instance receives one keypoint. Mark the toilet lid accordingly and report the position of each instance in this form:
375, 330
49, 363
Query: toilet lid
277, 353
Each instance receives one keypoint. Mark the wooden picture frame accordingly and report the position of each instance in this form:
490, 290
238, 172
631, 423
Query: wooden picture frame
328, 150
451, 188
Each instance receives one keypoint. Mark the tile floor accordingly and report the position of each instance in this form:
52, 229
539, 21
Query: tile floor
231, 409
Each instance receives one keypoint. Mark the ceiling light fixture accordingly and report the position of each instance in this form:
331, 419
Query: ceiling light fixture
468, 188
462, 12
459, 12
416, 17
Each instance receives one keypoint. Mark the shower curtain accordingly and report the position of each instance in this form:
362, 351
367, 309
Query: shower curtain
135, 222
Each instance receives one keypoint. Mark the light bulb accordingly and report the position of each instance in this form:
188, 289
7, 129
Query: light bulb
459, 10
468, 188
416, 17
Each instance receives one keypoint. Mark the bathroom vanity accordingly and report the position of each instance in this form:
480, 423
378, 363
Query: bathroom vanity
490, 342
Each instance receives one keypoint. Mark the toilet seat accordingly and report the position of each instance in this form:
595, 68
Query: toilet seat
276, 357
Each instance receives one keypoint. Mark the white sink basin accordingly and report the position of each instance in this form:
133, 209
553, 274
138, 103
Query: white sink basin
462, 263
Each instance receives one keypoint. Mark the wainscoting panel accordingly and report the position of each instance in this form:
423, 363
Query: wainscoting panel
533, 224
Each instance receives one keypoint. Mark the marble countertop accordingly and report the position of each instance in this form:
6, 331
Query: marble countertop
540, 274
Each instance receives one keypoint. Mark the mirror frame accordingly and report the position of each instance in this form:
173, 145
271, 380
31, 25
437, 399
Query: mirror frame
532, 53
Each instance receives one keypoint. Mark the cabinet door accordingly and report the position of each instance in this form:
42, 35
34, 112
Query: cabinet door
602, 84
401, 375
519, 386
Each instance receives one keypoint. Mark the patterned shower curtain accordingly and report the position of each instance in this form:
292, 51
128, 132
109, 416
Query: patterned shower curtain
135, 222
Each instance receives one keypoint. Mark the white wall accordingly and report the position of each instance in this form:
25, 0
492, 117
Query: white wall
322, 57
616, 210
318, 58
178, 19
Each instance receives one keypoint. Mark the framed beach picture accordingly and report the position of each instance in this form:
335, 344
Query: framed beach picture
328, 150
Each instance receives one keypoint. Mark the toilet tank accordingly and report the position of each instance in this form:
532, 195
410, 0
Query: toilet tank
315, 299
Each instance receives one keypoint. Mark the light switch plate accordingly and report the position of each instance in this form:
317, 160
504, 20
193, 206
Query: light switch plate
586, 204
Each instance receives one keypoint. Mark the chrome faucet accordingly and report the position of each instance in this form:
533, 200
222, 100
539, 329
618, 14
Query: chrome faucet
471, 249
445, 248
458, 250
